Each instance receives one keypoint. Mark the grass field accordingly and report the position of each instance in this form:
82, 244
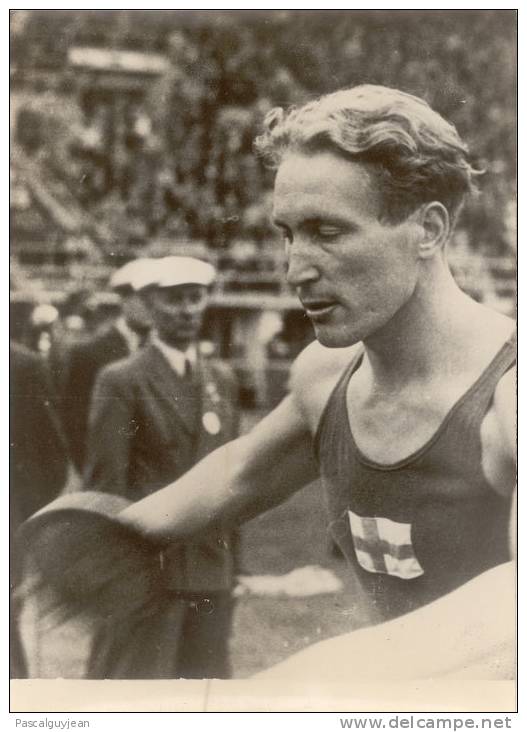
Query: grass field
267, 630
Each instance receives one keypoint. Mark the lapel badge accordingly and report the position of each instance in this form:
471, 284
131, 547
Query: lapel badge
212, 392
211, 423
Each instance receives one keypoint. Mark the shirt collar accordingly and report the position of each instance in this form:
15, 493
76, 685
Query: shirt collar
174, 356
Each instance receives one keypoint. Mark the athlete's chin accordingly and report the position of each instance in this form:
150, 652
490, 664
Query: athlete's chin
335, 337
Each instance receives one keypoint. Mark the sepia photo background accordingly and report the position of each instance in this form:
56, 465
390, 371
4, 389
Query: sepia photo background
131, 134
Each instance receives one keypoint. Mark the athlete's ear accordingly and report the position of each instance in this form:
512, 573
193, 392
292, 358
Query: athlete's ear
435, 222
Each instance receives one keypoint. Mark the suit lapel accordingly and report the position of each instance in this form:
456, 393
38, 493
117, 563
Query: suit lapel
212, 426
164, 381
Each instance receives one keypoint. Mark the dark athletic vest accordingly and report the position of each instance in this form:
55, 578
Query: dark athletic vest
417, 529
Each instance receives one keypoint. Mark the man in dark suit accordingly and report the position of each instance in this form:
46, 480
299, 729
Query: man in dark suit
38, 461
118, 340
153, 416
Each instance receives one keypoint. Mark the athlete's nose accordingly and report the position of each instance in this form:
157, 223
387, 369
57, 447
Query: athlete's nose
300, 268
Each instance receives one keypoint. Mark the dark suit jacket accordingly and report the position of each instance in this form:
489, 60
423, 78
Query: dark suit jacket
37, 455
38, 465
85, 360
148, 426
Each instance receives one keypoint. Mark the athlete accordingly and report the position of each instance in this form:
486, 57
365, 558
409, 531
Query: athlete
404, 404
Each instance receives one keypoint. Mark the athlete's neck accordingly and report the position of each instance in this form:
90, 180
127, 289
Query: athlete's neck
426, 335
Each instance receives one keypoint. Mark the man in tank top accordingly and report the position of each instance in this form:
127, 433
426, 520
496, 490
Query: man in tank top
407, 394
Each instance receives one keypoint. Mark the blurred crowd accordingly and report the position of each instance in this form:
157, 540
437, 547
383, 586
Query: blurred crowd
177, 161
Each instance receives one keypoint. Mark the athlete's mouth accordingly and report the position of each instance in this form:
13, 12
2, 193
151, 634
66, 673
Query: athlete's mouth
318, 308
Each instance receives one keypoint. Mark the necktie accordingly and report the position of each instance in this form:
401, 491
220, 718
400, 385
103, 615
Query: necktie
143, 338
188, 369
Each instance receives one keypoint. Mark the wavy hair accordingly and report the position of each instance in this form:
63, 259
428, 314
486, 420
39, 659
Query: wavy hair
415, 155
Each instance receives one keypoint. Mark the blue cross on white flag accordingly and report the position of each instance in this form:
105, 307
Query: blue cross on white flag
384, 546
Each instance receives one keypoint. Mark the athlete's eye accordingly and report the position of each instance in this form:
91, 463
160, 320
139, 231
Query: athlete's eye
327, 231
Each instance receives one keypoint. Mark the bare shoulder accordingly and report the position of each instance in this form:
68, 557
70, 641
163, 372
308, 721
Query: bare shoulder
485, 333
314, 375
504, 400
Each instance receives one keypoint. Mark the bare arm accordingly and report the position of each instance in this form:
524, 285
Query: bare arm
235, 482
505, 406
249, 475
505, 409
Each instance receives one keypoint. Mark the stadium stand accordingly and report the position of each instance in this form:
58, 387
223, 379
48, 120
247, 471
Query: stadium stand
133, 135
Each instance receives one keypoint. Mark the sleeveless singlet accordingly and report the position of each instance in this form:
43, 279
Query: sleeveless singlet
415, 530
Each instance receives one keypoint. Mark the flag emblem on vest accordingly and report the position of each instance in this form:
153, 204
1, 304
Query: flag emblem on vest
384, 546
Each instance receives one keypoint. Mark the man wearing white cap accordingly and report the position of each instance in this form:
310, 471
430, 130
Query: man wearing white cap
110, 343
153, 416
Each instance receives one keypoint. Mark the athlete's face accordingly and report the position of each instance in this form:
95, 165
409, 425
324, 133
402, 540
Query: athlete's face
351, 272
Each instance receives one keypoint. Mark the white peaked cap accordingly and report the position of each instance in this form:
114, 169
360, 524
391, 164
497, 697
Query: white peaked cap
137, 274
174, 271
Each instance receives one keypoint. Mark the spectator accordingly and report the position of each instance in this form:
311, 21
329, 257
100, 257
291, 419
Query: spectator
112, 342
39, 336
154, 415
38, 462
